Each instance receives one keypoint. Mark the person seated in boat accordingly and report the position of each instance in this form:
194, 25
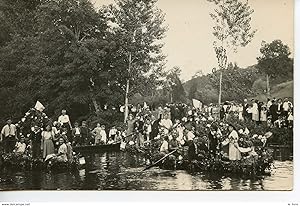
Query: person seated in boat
119, 137
190, 134
147, 128
62, 151
201, 144
20, 146
173, 143
76, 133
192, 149
164, 148
166, 123
69, 151
112, 133
110, 140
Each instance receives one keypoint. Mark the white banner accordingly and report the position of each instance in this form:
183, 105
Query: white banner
39, 106
197, 104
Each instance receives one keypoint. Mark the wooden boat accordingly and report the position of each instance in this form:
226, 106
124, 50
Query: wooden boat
19, 162
97, 148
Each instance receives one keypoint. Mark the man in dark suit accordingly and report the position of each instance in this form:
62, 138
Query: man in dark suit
273, 111
245, 112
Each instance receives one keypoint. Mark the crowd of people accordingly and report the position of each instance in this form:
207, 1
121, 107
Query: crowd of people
274, 112
169, 127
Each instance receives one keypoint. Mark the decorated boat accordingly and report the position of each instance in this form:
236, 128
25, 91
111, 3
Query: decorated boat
25, 162
260, 164
97, 148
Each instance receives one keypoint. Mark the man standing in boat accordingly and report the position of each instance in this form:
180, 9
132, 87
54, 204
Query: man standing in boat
85, 133
64, 119
8, 136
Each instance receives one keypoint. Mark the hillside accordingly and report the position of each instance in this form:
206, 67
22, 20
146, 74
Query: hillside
238, 83
281, 90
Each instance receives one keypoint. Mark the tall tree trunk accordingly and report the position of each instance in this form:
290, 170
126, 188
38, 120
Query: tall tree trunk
220, 89
127, 90
268, 86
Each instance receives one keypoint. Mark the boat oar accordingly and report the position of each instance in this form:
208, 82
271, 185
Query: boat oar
155, 163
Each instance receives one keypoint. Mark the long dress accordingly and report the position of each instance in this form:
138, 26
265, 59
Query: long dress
62, 151
47, 143
240, 110
233, 153
97, 133
255, 112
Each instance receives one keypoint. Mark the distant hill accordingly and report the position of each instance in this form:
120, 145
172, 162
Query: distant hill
281, 90
238, 83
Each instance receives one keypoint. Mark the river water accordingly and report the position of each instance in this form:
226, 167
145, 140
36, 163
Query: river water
123, 171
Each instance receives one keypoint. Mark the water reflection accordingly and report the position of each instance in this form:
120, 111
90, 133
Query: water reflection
123, 171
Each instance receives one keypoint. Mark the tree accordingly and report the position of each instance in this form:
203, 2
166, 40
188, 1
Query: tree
275, 60
62, 62
193, 90
231, 29
138, 31
177, 91
199, 73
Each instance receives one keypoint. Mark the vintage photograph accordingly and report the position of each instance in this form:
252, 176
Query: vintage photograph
151, 95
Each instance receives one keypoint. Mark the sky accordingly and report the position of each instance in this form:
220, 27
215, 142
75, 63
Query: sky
188, 42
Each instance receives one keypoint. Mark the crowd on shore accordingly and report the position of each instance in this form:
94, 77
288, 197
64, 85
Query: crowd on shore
168, 127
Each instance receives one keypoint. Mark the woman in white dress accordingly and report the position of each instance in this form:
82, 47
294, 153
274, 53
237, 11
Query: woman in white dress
232, 140
263, 115
255, 112
47, 141
240, 111
97, 133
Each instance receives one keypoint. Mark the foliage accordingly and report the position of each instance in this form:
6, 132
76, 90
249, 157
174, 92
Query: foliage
232, 28
175, 85
26, 162
138, 29
259, 86
237, 85
66, 54
275, 60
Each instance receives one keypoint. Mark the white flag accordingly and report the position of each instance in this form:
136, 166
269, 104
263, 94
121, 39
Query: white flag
197, 103
145, 105
38, 106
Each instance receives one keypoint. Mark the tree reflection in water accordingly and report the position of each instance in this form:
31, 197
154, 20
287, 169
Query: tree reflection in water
123, 171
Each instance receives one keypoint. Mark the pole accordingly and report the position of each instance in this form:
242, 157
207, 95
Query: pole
127, 89
220, 88
268, 86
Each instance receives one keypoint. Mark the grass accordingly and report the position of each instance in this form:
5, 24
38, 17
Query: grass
282, 90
